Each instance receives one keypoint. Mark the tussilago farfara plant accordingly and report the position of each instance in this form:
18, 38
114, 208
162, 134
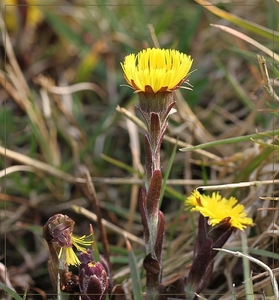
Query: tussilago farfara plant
154, 74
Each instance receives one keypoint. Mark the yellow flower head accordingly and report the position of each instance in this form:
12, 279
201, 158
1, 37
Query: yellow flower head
156, 70
67, 253
217, 208
33, 13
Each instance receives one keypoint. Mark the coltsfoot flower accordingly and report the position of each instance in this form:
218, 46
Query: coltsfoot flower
156, 70
67, 251
217, 208
59, 231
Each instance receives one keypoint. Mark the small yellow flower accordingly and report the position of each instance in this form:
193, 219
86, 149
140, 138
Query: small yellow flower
156, 70
217, 208
67, 253
33, 13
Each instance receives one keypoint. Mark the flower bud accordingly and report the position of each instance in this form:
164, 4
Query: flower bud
93, 281
86, 257
58, 229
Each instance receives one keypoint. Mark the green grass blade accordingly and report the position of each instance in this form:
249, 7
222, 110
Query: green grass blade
121, 165
167, 174
251, 26
65, 31
275, 71
249, 40
136, 282
246, 269
235, 85
253, 165
174, 194
232, 140
10, 291
265, 253
95, 250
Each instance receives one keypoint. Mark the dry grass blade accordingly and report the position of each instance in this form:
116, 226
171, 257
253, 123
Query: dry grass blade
11, 56
251, 26
135, 150
38, 165
260, 263
22, 95
137, 181
107, 224
267, 84
167, 138
89, 191
249, 40
13, 169
237, 185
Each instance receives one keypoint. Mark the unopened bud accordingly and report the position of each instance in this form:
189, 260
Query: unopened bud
93, 281
58, 229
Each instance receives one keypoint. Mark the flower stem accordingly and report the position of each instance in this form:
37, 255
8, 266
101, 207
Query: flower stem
155, 109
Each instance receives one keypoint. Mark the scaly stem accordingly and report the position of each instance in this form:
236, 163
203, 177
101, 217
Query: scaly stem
155, 109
